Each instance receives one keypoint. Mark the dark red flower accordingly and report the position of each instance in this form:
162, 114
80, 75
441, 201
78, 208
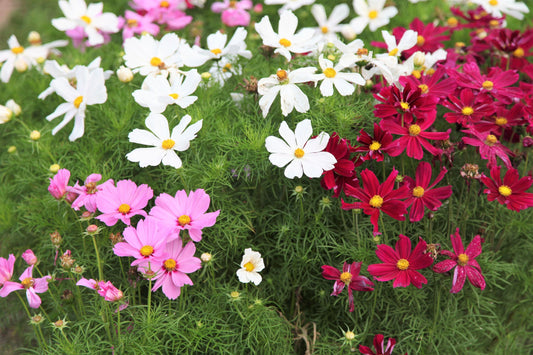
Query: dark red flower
503, 121
349, 277
430, 84
379, 341
489, 147
468, 108
344, 171
377, 145
464, 263
511, 192
516, 45
401, 264
430, 37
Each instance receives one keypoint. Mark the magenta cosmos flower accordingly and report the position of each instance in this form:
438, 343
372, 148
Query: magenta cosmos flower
109, 291
33, 286
401, 264
29, 257
234, 13
58, 184
177, 262
379, 342
344, 171
134, 23
464, 263
122, 202
185, 212
6, 269
510, 192
349, 277
375, 146
489, 147
88, 192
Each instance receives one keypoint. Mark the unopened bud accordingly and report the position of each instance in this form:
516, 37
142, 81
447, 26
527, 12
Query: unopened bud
124, 74
35, 135
34, 38
5, 114
14, 107
206, 257
348, 33
527, 142
12, 149
54, 168
419, 59
206, 75
21, 65
349, 335
56, 239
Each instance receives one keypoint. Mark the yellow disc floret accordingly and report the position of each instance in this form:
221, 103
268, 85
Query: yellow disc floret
285, 42
374, 146
500, 121
86, 19
324, 29
124, 208
420, 40
405, 106
423, 88
164, 4
402, 264
330, 72
249, 266
505, 190
519, 52
487, 85
174, 96
462, 259
17, 50
418, 191
147, 250
155, 61
414, 130
170, 264
372, 14
376, 201
27, 282
167, 144
491, 140
281, 74
493, 2
77, 101
467, 111
346, 277
216, 51
184, 220
393, 52
298, 153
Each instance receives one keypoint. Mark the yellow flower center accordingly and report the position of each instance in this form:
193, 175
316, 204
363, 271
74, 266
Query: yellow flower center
91, 187
147, 250
27, 282
17, 50
424, 88
170, 264
493, 2
462, 259
132, 22
491, 140
500, 121
373, 14
164, 4
216, 51
281, 74
155, 61
174, 96
519, 52
330, 72
249, 266
467, 111
374, 146
324, 29
124, 208
452, 22
184, 220
405, 106
418, 191
285, 42
362, 51
505, 190
232, 4
86, 19
414, 130
226, 67
393, 52
430, 71
416, 74
77, 101
494, 23
298, 153
402, 264
168, 144
487, 85
420, 40
346, 277
376, 201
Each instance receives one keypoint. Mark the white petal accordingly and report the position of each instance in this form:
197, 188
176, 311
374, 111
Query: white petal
288, 135
276, 145
158, 124
145, 137
146, 156
294, 169
171, 159
303, 132
280, 160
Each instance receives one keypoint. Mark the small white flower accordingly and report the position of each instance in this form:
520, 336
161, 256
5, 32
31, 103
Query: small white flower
304, 155
251, 264
223, 69
352, 52
90, 90
13, 106
163, 143
329, 27
289, 4
157, 93
284, 83
499, 7
332, 76
18, 56
217, 47
407, 41
5, 114
371, 14
286, 40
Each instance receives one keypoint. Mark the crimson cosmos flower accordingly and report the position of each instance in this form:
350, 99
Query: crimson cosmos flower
377, 145
401, 264
468, 108
376, 197
423, 194
379, 341
489, 147
344, 169
349, 277
464, 263
512, 191
430, 37
431, 84
502, 122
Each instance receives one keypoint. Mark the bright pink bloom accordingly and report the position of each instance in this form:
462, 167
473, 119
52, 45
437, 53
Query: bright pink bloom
87, 193
512, 191
109, 292
503, 121
423, 194
59, 183
376, 197
178, 261
89, 283
349, 277
344, 171
375, 146
379, 341
6, 269
464, 263
468, 108
134, 23
29, 257
33, 286
234, 13
185, 212
175, 19
401, 264
489, 147
122, 202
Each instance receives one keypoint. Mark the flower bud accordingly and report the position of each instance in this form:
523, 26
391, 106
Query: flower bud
21, 65
348, 33
37, 319
527, 142
14, 107
29, 257
35, 135
124, 74
12, 149
206, 257
92, 229
419, 59
5, 114
56, 239
34, 38
206, 75
349, 335
54, 168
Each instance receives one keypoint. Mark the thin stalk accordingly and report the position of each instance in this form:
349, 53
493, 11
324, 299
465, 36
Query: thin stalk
149, 297
98, 261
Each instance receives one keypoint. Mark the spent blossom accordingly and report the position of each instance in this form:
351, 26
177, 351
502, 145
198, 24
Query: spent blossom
251, 264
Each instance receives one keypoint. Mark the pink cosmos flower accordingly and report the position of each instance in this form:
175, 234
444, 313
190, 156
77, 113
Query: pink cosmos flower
344, 171
379, 342
109, 292
178, 261
375, 146
489, 147
89, 283
511, 192
431, 84
468, 108
29, 257
87, 193
464, 263
59, 184
185, 212
33, 286
234, 13
122, 202
6, 269
134, 23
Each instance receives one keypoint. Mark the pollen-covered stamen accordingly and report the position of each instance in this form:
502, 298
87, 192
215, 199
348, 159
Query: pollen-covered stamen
124, 208
324, 29
487, 85
281, 74
91, 187
493, 2
420, 40
17, 50
417, 74
226, 67
491, 140
374, 146
330, 72
164, 4
402, 264
462, 259
467, 111
170, 264
155, 61
77, 101
216, 51
167, 144
423, 88
147, 250
362, 51
285, 42
505, 190
500, 121
405, 106
376, 201
174, 96
372, 14
233, 4
249, 266
86, 19
418, 191
27, 282
183, 220
346, 277
452, 22
132, 22
519, 52
299, 153
430, 71
393, 52
414, 130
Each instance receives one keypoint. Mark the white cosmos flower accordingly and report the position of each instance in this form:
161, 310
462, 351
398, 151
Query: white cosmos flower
499, 7
251, 264
352, 52
217, 47
18, 56
329, 27
90, 90
163, 143
371, 14
285, 82
289, 4
224, 69
157, 93
332, 76
286, 40
90, 18
407, 41
304, 155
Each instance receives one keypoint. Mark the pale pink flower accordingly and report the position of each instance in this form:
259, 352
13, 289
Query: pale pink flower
178, 262
88, 192
33, 286
29, 257
185, 212
122, 202
89, 283
109, 292
234, 13
6, 269
58, 184
133, 24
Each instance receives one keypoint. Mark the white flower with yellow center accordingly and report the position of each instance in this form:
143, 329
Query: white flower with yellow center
499, 7
217, 47
90, 90
289, 4
371, 14
352, 52
157, 93
224, 69
332, 76
286, 41
304, 155
394, 49
164, 144
19, 57
329, 27
90, 18
251, 264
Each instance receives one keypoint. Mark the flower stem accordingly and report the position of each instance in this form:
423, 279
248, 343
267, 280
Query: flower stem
149, 297
99, 263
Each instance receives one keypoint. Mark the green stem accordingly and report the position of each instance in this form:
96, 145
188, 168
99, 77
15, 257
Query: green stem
99, 263
149, 297
118, 328
40, 339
